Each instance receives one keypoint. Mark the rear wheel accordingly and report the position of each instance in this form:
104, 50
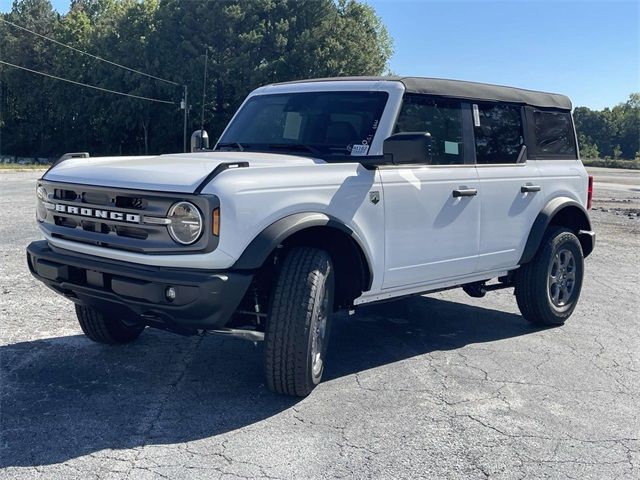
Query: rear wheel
547, 288
299, 322
104, 329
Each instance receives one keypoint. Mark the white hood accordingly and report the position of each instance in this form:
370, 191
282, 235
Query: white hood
181, 172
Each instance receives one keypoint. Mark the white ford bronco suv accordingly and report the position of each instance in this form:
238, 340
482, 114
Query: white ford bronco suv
324, 195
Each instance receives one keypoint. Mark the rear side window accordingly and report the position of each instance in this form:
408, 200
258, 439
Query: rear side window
498, 133
441, 118
552, 134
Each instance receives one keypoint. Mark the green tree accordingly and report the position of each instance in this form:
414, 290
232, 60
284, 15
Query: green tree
28, 103
613, 132
249, 43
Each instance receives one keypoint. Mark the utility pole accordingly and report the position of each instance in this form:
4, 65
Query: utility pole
185, 107
204, 96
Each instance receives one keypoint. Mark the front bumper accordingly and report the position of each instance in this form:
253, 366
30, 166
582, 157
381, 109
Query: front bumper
204, 299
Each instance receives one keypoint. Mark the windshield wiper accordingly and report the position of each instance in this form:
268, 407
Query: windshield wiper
293, 146
235, 145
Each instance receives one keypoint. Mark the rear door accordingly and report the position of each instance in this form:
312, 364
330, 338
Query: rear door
432, 211
510, 187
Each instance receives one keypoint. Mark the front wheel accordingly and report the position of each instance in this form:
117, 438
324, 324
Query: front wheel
547, 288
299, 321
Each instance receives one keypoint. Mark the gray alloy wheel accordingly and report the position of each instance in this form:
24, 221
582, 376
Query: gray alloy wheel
562, 278
548, 287
319, 336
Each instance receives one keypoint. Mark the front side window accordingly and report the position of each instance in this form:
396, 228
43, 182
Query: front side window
326, 123
553, 134
498, 133
442, 119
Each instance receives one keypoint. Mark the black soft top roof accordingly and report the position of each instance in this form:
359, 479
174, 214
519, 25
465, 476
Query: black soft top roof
463, 89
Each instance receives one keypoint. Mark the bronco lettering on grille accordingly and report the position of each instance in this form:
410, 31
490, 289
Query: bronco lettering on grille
97, 213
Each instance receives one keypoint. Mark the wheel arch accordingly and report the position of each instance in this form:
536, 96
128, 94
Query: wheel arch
353, 267
561, 211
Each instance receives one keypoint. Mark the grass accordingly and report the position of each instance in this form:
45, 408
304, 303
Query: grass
18, 167
611, 163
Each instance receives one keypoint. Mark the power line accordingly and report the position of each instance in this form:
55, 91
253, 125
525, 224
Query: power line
88, 54
87, 85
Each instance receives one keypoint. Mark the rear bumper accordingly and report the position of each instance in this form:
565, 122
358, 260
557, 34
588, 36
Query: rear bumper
203, 299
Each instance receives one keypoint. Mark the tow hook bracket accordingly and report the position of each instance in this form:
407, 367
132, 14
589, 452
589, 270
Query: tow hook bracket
476, 290
251, 335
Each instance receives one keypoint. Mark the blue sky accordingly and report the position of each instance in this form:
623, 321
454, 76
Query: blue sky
589, 50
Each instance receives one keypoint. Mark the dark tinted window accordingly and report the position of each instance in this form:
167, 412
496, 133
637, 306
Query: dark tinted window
442, 119
498, 133
327, 122
553, 134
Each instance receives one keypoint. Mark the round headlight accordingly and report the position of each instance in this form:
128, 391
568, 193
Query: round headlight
186, 223
41, 209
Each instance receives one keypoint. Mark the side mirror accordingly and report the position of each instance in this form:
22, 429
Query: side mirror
407, 148
199, 141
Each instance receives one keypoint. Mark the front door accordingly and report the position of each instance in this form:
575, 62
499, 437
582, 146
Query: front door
432, 212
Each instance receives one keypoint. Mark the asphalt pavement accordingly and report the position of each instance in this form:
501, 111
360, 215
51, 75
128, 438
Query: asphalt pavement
437, 386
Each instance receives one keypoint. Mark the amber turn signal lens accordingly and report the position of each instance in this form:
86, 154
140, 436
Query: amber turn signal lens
216, 222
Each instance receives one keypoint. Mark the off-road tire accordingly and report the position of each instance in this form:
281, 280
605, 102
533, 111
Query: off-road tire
302, 296
99, 328
532, 280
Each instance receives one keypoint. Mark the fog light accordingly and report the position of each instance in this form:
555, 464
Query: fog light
170, 294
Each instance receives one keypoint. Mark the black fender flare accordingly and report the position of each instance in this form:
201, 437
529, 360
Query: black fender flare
268, 240
581, 224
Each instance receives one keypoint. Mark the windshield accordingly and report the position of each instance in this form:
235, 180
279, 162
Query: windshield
324, 123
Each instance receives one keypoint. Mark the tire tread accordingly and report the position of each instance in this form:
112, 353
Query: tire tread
102, 330
292, 309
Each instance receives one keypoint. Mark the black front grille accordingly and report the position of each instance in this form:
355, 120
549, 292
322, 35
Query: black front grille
88, 202
137, 203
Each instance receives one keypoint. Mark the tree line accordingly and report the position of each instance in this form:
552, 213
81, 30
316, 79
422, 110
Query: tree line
610, 133
248, 43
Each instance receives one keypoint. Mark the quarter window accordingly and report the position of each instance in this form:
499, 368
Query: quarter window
553, 134
439, 117
498, 133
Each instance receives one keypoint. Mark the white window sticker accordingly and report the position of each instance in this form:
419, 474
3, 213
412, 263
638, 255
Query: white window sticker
451, 148
476, 115
292, 126
359, 150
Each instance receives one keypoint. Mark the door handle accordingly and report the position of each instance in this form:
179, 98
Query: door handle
530, 188
465, 192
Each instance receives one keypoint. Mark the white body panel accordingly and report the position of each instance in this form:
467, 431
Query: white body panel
563, 178
177, 172
417, 238
429, 234
507, 214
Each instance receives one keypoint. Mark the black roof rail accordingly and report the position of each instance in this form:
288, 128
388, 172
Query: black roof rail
67, 156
